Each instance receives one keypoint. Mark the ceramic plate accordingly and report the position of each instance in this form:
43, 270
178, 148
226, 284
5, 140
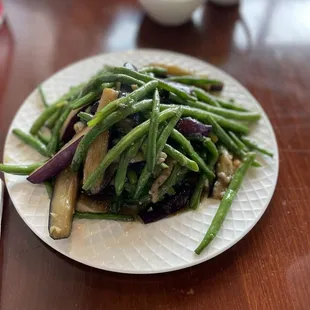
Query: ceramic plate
163, 246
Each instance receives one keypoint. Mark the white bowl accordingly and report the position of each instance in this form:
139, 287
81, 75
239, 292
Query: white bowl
170, 12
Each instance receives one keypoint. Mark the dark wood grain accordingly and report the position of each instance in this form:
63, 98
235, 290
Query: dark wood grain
265, 44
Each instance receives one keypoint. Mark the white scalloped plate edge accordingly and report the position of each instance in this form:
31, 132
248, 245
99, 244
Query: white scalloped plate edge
155, 261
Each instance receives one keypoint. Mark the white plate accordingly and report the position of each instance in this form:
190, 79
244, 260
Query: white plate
132, 247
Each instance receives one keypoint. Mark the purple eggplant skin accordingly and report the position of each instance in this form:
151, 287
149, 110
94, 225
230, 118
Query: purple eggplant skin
67, 131
58, 162
166, 207
190, 127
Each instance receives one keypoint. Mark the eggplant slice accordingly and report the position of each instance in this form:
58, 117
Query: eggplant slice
58, 162
99, 147
90, 205
63, 203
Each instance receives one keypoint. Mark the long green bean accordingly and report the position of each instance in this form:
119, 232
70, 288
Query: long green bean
196, 196
151, 154
186, 145
160, 143
86, 117
195, 80
123, 102
104, 216
212, 149
47, 113
238, 142
161, 84
230, 114
120, 176
254, 146
42, 96
181, 158
43, 138
202, 116
31, 141
19, 169
225, 204
229, 104
155, 70
132, 176
50, 123
54, 141
205, 97
122, 145
108, 122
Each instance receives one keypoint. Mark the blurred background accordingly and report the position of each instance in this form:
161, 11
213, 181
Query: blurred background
250, 39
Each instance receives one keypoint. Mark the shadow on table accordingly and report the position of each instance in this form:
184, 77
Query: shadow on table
207, 36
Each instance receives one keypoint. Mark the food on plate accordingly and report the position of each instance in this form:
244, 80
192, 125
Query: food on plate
139, 144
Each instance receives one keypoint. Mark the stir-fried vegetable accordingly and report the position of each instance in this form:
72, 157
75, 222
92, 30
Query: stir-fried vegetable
144, 144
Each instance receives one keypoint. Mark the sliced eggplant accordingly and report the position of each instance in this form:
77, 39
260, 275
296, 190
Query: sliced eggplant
67, 130
192, 128
63, 203
99, 147
90, 205
166, 207
58, 162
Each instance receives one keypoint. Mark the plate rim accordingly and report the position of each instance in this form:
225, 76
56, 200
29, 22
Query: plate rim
202, 259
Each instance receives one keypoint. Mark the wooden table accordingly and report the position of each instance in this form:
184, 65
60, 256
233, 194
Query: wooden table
265, 44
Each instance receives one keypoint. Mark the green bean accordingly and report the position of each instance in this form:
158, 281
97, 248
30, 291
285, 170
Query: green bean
54, 141
155, 70
132, 176
122, 102
86, 117
161, 84
43, 138
48, 112
86, 99
108, 122
120, 176
181, 158
142, 181
161, 141
122, 145
175, 177
238, 142
230, 114
229, 105
178, 137
224, 137
196, 196
107, 85
225, 204
42, 96
104, 216
203, 117
31, 141
122, 78
19, 169
50, 123
195, 80
211, 147
205, 97
151, 154
254, 146
49, 188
